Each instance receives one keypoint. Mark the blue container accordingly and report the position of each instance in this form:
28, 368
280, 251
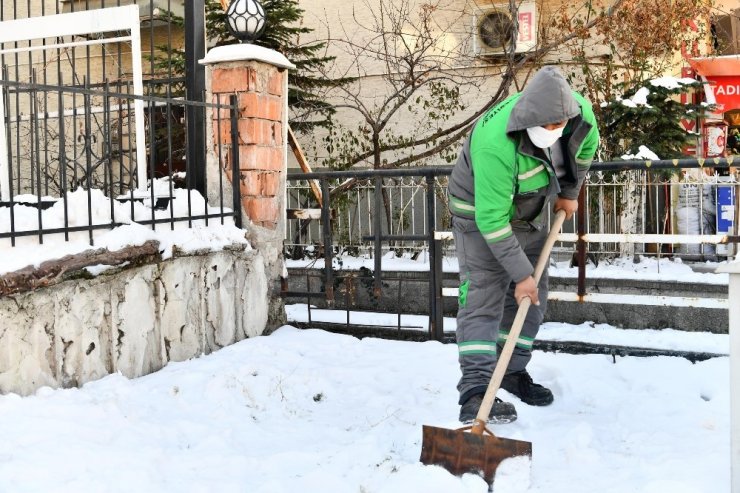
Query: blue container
725, 214
725, 208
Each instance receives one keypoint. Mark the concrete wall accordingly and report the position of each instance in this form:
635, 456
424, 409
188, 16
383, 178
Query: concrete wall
132, 321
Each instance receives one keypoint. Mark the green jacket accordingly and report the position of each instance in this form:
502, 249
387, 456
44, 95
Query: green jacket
500, 176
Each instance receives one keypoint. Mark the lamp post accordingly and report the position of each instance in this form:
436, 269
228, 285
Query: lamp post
245, 20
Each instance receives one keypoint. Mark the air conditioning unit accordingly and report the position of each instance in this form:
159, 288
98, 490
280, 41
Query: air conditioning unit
494, 30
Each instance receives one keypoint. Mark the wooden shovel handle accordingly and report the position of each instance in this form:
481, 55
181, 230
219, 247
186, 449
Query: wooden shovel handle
503, 360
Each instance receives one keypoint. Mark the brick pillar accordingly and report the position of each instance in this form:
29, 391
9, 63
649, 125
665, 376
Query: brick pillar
259, 78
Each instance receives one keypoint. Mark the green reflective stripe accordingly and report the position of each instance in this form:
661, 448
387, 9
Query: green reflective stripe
462, 296
523, 342
584, 163
462, 207
477, 347
531, 173
498, 234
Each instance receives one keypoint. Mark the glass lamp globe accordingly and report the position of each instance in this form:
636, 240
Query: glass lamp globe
245, 19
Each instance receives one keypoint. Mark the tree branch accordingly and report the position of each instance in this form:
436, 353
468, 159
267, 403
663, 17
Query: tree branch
54, 271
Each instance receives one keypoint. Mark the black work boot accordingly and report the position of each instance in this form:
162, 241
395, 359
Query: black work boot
501, 412
521, 385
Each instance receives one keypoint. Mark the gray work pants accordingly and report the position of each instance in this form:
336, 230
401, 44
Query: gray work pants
487, 306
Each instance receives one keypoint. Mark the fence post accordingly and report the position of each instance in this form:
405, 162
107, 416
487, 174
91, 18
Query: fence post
257, 77
581, 243
328, 242
195, 82
733, 269
248, 84
378, 233
439, 320
436, 316
235, 166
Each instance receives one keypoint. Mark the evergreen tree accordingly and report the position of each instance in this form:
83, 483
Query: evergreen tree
649, 114
282, 34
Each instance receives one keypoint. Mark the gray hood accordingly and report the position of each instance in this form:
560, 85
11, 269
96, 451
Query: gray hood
546, 99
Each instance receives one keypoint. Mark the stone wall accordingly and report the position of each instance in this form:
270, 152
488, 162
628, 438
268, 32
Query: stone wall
132, 321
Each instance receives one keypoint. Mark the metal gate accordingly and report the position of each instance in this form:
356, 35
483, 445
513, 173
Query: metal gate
172, 41
323, 282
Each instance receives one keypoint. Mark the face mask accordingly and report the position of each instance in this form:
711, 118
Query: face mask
544, 138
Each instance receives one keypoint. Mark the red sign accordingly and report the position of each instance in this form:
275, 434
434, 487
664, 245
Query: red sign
687, 98
726, 90
526, 27
715, 139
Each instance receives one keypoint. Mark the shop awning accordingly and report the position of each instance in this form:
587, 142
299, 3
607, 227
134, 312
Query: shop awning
717, 65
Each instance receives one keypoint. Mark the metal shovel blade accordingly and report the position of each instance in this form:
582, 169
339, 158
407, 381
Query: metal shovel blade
460, 451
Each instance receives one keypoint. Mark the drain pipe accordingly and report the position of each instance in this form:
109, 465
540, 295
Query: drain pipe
733, 269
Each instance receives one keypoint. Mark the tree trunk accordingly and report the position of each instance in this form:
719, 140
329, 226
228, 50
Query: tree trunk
630, 216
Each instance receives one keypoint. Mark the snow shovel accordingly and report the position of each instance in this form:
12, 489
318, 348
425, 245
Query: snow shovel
475, 448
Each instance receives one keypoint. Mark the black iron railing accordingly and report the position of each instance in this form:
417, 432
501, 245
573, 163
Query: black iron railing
62, 139
173, 39
432, 183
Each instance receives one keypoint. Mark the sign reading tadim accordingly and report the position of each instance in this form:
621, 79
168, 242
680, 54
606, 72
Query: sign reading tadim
723, 75
726, 91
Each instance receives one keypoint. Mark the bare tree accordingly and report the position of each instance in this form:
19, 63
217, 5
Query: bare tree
419, 87
641, 41
409, 93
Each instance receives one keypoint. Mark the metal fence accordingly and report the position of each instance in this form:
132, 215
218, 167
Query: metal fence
75, 140
638, 207
404, 211
172, 41
635, 202
72, 120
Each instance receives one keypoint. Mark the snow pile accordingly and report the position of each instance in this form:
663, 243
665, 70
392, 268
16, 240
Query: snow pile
587, 332
100, 210
643, 153
640, 97
671, 83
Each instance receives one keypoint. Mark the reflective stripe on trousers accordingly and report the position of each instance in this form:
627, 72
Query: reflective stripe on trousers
487, 307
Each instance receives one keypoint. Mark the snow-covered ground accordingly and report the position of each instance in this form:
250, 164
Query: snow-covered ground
311, 411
